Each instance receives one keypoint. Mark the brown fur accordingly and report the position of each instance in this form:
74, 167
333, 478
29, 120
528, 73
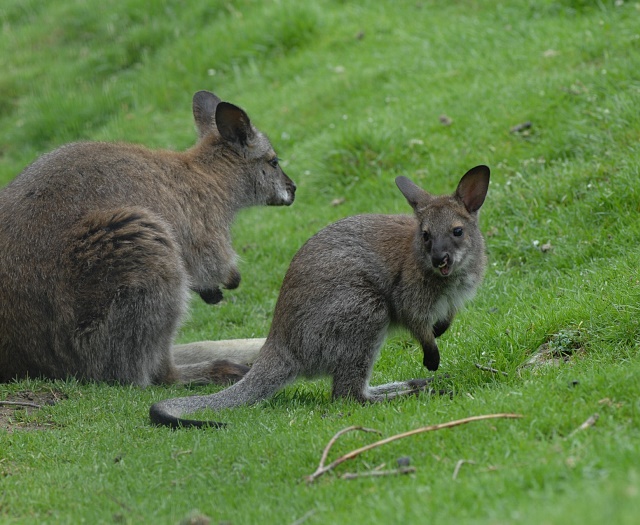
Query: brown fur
100, 244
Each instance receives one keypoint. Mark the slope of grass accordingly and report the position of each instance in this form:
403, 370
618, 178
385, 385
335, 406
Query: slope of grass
352, 95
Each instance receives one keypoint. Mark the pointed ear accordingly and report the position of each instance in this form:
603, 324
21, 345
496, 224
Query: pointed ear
204, 111
233, 124
472, 188
414, 194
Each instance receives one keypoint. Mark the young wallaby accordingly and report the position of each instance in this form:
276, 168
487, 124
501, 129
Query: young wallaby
348, 284
100, 244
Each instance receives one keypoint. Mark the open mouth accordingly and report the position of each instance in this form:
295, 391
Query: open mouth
444, 268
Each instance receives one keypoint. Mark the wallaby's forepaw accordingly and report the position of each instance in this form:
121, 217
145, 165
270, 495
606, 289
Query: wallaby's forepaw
225, 372
431, 357
211, 296
233, 280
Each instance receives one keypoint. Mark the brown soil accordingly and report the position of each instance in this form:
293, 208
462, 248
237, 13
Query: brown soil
13, 408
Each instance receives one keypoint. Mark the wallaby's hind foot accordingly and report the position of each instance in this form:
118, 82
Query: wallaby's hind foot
404, 388
221, 372
239, 351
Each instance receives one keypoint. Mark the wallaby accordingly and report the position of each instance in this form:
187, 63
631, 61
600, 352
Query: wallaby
348, 284
100, 244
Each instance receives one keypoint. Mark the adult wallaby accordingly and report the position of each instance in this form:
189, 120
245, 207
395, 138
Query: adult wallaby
348, 284
100, 244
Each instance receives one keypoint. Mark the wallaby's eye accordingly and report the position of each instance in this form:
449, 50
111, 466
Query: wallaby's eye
457, 232
274, 162
426, 236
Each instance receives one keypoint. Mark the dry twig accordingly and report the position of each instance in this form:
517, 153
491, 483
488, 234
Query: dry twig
322, 468
20, 404
305, 517
378, 473
459, 465
587, 424
326, 450
492, 370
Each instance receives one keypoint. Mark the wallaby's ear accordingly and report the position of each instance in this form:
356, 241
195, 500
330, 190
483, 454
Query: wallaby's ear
233, 124
204, 111
472, 188
414, 194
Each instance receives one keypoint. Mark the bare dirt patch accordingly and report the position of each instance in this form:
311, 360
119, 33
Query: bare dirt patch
16, 410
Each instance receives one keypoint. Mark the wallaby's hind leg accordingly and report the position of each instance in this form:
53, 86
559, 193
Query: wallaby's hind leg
130, 296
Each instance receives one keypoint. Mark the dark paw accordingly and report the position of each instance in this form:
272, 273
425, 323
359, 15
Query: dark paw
233, 280
431, 357
211, 296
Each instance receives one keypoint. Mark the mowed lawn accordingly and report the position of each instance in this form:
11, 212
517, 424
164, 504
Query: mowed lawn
353, 94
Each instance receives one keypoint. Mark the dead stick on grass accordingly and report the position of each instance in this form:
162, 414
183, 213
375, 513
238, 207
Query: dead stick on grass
322, 469
20, 404
459, 466
588, 423
489, 369
326, 450
377, 473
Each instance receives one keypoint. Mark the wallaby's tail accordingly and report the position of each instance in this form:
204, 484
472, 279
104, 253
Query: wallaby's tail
267, 376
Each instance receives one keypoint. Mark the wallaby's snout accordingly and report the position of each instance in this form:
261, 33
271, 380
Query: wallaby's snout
440, 253
287, 195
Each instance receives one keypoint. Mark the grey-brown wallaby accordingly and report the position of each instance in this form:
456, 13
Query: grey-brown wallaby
348, 284
100, 244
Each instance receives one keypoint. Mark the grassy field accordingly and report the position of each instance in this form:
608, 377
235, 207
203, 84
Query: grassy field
352, 94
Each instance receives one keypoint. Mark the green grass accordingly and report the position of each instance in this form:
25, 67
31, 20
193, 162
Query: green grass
351, 95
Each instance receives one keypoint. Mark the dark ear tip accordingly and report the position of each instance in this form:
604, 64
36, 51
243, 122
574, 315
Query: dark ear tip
483, 169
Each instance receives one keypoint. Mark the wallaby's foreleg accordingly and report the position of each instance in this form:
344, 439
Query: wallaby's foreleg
211, 296
427, 339
214, 295
441, 327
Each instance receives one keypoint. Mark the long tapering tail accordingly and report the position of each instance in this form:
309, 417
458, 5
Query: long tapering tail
268, 375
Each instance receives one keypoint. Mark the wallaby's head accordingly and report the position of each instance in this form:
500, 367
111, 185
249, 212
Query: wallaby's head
226, 125
449, 234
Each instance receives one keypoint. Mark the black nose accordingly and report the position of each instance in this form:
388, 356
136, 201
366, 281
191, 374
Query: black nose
440, 260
